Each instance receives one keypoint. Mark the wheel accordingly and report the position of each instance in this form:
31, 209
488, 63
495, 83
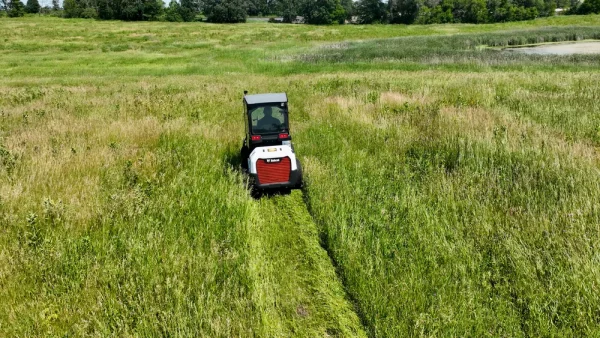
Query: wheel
300, 183
244, 158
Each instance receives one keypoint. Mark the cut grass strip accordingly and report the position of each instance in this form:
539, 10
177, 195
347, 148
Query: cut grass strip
297, 289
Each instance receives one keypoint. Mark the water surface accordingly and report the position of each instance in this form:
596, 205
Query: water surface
567, 48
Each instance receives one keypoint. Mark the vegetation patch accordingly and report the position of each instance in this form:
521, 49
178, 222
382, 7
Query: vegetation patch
450, 189
460, 48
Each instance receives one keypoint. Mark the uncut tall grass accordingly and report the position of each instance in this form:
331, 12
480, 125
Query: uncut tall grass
460, 217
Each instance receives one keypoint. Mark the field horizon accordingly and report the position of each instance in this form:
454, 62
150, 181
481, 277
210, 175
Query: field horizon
451, 186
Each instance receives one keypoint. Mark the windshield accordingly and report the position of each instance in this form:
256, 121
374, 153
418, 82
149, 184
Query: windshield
269, 119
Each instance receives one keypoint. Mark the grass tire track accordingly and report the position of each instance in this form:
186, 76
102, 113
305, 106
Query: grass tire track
297, 287
324, 241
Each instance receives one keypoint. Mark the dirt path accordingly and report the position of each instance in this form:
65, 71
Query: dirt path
296, 286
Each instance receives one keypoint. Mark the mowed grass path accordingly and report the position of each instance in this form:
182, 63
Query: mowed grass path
456, 195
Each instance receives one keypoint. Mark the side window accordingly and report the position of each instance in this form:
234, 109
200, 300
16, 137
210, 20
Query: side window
278, 114
257, 114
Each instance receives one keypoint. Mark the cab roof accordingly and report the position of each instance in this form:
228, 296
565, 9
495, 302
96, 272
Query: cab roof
265, 98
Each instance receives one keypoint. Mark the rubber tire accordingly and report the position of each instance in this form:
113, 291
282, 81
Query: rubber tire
244, 158
300, 184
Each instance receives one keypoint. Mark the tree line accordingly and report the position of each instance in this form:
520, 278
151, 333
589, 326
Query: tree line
320, 12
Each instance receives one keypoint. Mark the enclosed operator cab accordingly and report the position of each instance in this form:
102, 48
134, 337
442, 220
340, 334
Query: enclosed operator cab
267, 153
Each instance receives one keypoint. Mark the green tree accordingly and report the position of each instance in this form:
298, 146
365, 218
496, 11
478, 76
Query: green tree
153, 9
108, 9
189, 9
173, 12
55, 5
589, 6
348, 8
288, 9
403, 11
33, 6
132, 10
89, 13
256, 7
339, 15
138, 10
500, 10
439, 14
475, 12
573, 6
225, 11
322, 12
15, 8
72, 9
371, 11
550, 7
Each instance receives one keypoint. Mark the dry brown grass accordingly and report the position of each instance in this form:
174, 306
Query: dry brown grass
500, 126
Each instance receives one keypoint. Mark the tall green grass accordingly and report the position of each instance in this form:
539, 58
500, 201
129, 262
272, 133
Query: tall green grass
440, 229
164, 254
122, 215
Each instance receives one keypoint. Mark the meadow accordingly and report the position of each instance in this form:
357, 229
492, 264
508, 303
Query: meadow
452, 187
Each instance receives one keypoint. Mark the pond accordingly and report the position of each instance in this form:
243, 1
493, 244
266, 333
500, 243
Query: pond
567, 48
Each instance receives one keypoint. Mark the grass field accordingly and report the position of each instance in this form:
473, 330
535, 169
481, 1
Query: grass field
452, 189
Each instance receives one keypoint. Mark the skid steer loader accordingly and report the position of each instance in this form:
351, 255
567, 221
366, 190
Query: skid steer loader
267, 152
